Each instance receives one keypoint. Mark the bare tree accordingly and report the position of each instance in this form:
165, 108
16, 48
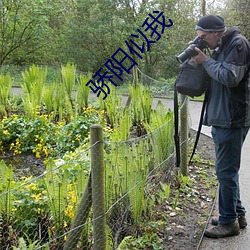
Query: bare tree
20, 22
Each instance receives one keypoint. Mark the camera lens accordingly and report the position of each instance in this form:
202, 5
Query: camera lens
187, 53
190, 50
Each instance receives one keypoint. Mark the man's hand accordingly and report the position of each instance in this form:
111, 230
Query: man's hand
200, 58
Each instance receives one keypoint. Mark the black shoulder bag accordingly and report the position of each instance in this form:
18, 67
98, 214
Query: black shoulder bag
192, 79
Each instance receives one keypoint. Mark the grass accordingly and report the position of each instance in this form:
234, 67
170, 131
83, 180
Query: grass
53, 74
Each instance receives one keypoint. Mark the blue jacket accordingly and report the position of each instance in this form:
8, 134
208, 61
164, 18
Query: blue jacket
228, 103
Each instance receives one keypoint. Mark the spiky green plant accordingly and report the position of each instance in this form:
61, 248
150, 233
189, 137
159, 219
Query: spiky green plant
48, 98
6, 184
56, 187
126, 171
5, 90
112, 105
141, 105
82, 94
62, 106
33, 86
161, 129
68, 74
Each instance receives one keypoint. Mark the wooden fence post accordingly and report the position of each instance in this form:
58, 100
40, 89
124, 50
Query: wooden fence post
98, 195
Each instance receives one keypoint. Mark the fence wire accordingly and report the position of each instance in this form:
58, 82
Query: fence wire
44, 210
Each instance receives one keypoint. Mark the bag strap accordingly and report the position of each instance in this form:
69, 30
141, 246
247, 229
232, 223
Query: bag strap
176, 126
199, 127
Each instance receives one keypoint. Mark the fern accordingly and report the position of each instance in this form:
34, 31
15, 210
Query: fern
83, 91
68, 74
6, 184
56, 184
33, 86
161, 126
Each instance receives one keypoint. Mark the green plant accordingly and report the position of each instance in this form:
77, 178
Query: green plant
184, 181
147, 241
176, 199
48, 98
161, 126
33, 85
28, 245
126, 173
164, 191
30, 208
68, 74
123, 124
44, 137
141, 104
6, 184
82, 98
5, 90
112, 106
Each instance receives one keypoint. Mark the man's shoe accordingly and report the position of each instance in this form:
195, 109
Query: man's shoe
241, 219
221, 231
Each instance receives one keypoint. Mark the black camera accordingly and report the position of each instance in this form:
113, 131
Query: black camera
190, 51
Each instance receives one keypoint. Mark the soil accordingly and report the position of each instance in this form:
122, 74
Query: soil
186, 223
25, 164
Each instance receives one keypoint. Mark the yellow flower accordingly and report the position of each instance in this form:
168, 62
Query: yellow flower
73, 199
38, 156
6, 132
31, 187
14, 209
69, 211
37, 196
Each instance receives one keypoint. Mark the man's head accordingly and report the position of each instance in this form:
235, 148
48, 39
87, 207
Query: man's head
211, 29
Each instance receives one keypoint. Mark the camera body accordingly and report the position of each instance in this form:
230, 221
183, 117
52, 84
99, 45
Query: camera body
190, 51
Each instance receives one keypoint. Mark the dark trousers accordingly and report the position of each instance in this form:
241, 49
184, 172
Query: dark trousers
228, 145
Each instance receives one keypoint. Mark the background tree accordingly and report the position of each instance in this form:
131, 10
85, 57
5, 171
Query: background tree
21, 26
88, 32
237, 13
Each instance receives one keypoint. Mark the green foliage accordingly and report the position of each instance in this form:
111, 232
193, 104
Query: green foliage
89, 32
30, 206
29, 245
33, 85
6, 184
126, 172
23, 25
48, 98
68, 74
141, 104
5, 90
164, 192
57, 188
128, 161
162, 121
147, 241
83, 91
43, 137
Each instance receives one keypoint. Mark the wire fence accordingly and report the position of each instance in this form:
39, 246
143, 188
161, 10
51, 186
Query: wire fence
57, 209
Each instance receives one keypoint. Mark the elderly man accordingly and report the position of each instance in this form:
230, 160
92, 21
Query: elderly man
228, 112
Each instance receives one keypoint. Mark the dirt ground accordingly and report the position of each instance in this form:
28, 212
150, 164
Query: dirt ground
187, 223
